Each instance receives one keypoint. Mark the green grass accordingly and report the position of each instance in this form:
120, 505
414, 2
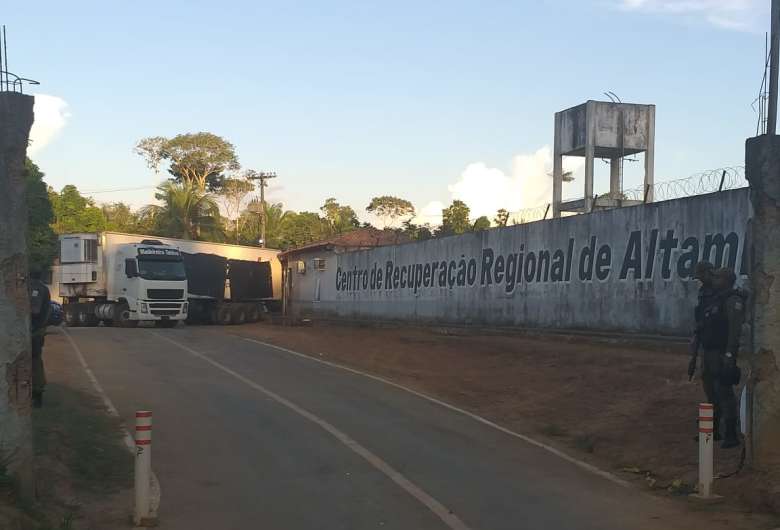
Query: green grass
74, 428
554, 431
585, 442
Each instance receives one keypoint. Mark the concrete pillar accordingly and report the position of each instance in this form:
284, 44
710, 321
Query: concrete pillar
762, 169
590, 136
557, 169
16, 117
614, 178
650, 155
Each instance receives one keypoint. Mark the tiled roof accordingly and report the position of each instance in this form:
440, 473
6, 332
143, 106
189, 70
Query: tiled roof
360, 238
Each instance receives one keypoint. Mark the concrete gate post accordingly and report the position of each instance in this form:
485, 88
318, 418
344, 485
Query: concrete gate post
16, 452
762, 169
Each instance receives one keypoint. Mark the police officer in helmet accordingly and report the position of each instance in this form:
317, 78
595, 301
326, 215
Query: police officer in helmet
40, 308
722, 316
703, 272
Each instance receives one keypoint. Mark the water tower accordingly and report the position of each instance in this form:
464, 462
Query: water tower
607, 130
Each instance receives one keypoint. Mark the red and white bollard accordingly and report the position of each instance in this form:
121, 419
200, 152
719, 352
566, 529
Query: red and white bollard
706, 441
143, 469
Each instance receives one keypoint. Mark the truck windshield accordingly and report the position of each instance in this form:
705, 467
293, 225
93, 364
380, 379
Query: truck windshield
161, 270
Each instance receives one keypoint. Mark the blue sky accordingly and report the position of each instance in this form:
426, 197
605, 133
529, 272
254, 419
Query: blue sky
424, 100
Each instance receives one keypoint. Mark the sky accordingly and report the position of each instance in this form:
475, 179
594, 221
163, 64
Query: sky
429, 101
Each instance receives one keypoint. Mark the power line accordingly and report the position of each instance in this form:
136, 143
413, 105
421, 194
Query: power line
116, 190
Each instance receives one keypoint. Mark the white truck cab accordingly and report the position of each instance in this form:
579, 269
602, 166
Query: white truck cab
104, 277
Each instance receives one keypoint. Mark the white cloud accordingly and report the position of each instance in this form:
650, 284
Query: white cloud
729, 14
486, 190
51, 115
430, 214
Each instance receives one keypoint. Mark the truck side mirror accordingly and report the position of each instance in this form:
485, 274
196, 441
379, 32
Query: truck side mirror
131, 268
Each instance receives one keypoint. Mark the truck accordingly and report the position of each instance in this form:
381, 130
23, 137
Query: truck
221, 283
121, 283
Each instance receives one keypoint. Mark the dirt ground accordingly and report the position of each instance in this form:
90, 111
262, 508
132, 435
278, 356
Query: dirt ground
624, 406
83, 470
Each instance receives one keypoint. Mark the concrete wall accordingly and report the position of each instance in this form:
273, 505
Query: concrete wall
625, 269
16, 117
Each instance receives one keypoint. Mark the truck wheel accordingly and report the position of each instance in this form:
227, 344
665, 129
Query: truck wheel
122, 318
86, 315
224, 317
165, 323
71, 315
253, 315
239, 314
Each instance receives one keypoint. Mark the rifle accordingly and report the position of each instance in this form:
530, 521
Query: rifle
694, 350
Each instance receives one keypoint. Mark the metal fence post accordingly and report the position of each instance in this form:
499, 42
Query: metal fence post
143, 468
706, 441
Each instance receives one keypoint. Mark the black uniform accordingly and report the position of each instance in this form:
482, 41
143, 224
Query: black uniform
722, 319
40, 307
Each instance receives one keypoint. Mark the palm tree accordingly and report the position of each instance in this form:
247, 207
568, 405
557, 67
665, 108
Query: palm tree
275, 215
187, 212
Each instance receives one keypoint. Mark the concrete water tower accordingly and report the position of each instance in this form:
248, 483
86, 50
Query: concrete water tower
608, 130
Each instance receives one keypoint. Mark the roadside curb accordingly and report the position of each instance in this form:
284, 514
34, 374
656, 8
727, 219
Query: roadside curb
156, 492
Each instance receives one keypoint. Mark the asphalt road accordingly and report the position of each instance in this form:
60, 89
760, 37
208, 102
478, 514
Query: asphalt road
248, 436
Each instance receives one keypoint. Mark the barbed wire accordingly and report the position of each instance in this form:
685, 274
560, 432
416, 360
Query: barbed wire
711, 181
725, 178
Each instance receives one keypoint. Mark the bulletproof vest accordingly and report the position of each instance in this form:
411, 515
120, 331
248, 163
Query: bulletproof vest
39, 303
715, 323
38, 298
706, 296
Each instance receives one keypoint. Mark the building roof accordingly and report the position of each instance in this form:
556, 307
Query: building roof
353, 240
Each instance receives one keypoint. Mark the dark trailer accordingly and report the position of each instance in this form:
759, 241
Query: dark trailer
226, 291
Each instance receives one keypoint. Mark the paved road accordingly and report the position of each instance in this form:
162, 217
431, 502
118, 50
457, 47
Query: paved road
248, 436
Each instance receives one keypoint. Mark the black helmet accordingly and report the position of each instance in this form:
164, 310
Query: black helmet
703, 269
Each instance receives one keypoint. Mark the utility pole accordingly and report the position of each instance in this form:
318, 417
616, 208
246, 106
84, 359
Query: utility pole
774, 54
262, 176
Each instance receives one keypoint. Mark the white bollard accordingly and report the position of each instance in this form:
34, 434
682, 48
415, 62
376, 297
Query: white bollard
143, 468
706, 441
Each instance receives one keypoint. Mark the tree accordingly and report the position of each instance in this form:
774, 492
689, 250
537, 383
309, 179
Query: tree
482, 223
566, 176
417, 232
233, 194
502, 217
200, 158
455, 219
75, 213
298, 229
340, 218
250, 224
389, 208
187, 212
41, 239
120, 218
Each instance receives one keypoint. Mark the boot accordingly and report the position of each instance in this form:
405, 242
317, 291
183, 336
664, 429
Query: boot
731, 435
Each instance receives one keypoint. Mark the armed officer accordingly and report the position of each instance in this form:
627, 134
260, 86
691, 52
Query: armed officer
703, 273
721, 326
40, 307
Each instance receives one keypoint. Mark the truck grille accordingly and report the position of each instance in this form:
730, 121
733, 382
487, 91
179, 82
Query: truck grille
165, 294
165, 312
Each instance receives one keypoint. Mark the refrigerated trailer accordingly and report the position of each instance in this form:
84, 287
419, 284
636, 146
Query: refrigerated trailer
121, 283
222, 283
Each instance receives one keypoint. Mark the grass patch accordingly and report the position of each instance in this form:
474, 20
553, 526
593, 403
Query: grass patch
74, 429
554, 431
585, 442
